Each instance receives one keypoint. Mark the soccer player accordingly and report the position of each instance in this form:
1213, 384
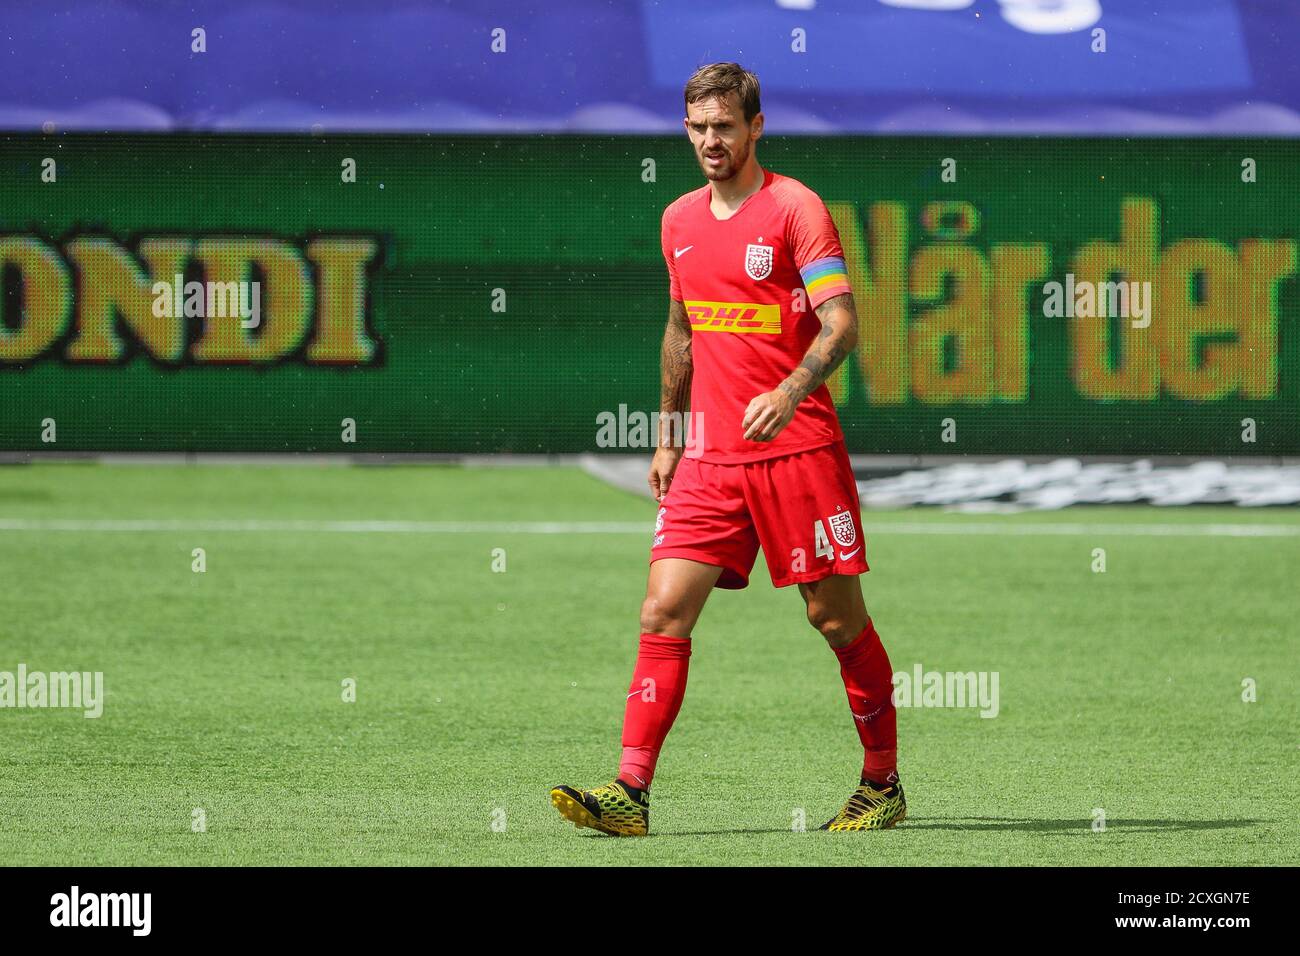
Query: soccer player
760, 314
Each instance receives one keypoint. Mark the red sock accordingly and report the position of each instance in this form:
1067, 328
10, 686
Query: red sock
869, 680
653, 700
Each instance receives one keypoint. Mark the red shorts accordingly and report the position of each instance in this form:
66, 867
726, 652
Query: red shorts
801, 508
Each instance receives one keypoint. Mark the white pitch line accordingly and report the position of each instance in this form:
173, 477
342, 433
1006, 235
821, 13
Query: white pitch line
130, 525
1099, 528
352, 527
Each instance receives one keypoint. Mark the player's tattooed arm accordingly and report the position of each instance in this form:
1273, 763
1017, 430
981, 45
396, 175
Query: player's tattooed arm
675, 371
770, 412
837, 338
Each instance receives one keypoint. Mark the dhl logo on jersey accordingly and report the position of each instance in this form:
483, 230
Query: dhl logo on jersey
734, 317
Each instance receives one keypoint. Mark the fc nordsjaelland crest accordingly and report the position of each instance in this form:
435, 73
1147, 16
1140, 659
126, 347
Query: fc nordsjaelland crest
842, 527
758, 261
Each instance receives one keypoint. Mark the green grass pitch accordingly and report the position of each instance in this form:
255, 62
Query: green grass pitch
477, 690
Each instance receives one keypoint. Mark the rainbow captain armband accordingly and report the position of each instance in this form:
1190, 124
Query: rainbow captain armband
825, 278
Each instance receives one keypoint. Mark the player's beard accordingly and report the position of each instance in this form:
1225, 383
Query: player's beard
733, 163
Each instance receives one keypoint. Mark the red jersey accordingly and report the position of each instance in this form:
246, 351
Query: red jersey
750, 285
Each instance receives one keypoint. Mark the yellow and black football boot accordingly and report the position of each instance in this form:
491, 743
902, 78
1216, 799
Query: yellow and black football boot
870, 809
617, 808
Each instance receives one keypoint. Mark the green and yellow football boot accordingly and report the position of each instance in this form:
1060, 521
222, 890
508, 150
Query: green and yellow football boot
870, 809
617, 808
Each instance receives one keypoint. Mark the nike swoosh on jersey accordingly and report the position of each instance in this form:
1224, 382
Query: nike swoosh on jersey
845, 557
678, 253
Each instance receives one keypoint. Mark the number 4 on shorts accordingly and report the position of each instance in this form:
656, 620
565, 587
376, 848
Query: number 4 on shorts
821, 541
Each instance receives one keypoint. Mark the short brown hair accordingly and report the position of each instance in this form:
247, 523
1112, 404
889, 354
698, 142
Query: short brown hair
719, 79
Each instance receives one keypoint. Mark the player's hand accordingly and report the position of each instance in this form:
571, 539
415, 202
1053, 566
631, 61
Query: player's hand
662, 468
767, 415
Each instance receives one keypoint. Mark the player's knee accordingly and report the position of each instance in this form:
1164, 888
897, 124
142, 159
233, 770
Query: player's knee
665, 614
832, 625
